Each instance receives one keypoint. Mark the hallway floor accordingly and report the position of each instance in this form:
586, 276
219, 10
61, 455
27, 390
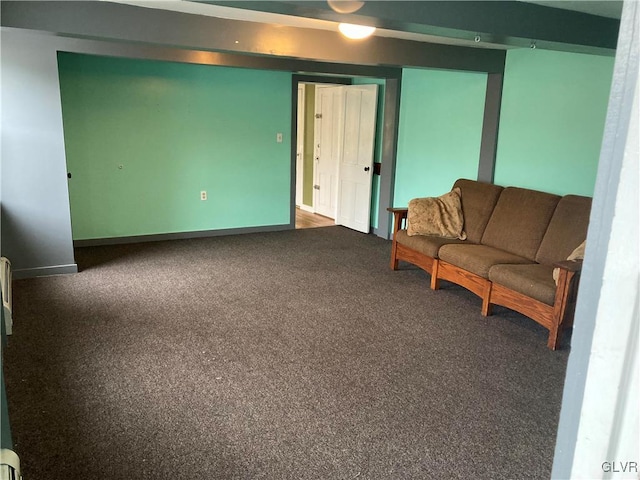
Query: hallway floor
306, 219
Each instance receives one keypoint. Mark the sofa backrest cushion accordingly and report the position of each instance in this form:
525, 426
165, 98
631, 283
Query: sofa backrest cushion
519, 221
567, 229
478, 201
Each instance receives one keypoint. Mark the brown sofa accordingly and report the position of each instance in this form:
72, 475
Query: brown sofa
515, 239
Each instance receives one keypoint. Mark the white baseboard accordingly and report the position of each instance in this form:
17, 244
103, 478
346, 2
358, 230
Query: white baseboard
306, 208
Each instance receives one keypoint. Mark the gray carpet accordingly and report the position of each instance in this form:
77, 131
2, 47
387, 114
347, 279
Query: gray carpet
285, 355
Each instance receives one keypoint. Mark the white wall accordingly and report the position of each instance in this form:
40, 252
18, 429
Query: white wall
598, 430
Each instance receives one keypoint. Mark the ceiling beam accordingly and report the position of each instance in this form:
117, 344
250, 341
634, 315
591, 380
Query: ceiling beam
510, 23
121, 22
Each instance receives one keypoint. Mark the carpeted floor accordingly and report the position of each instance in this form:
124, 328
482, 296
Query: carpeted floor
285, 355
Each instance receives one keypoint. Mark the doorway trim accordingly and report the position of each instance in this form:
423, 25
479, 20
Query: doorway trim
391, 106
296, 80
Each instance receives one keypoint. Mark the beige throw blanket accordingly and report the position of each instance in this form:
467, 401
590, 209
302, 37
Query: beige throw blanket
441, 216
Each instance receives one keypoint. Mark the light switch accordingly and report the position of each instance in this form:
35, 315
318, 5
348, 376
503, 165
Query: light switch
279, 137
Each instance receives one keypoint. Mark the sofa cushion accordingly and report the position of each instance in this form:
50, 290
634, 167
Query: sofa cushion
519, 221
477, 259
440, 216
478, 201
534, 280
427, 245
567, 229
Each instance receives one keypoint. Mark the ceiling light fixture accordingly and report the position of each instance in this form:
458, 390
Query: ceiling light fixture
356, 32
345, 6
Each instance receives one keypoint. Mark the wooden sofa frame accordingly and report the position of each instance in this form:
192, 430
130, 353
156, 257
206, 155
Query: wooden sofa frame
554, 318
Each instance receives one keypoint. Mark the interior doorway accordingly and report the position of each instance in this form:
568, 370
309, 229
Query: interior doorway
334, 154
307, 213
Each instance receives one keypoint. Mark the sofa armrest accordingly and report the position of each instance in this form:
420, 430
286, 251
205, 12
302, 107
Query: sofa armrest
398, 212
569, 265
399, 216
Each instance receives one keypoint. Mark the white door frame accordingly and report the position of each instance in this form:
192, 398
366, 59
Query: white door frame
299, 158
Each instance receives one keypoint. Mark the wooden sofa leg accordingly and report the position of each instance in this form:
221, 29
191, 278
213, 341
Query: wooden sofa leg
394, 262
394, 254
435, 282
399, 214
555, 335
487, 307
560, 306
555, 332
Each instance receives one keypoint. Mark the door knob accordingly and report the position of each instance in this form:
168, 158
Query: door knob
366, 169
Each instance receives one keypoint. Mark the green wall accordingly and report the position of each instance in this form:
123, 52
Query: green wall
552, 120
175, 129
439, 132
551, 125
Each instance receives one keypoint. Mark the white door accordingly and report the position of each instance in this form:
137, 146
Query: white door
328, 136
300, 145
356, 159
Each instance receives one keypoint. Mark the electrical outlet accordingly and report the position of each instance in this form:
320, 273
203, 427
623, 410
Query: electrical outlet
279, 137
203, 195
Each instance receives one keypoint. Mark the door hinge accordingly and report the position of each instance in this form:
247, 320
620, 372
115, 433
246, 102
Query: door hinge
316, 187
318, 115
